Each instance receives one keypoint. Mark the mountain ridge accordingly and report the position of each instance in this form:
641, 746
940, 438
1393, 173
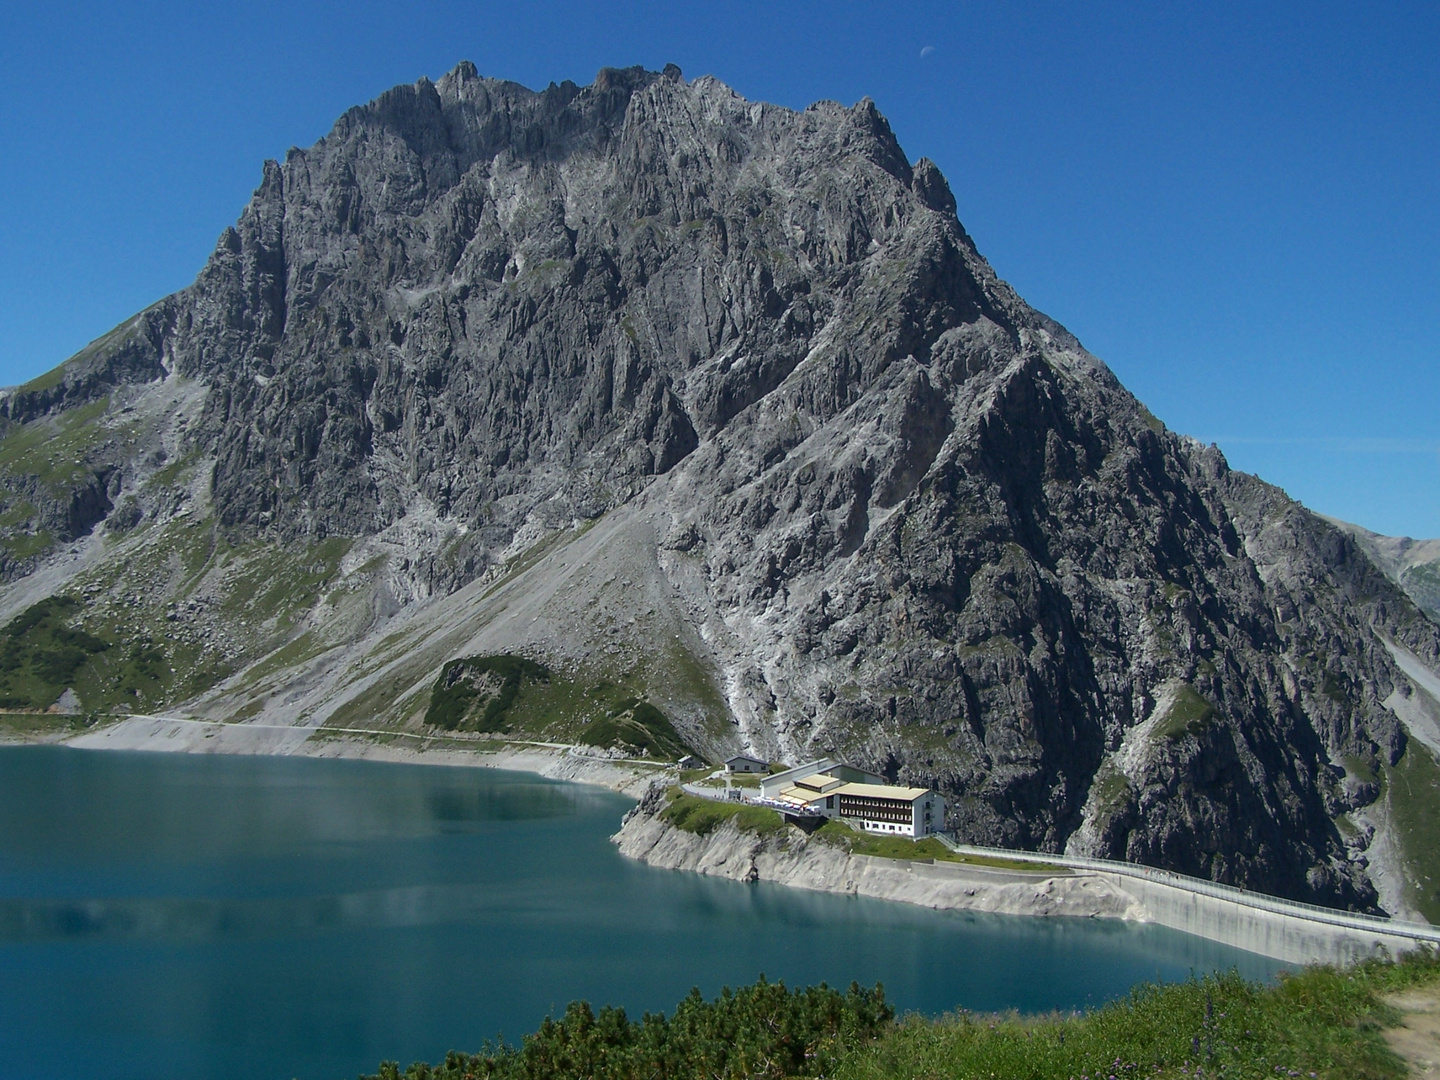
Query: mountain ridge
855, 495
1412, 564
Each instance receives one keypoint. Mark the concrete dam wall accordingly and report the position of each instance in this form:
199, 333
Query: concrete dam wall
1283, 929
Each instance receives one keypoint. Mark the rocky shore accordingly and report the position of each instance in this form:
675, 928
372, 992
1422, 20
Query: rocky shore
792, 858
181, 735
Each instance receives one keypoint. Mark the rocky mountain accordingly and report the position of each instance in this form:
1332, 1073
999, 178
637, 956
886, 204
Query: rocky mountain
712, 412
1414, 565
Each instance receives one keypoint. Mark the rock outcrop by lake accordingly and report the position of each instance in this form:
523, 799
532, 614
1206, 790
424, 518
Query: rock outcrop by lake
790, 857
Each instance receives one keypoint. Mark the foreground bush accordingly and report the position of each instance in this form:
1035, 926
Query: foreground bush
761, 1031
1322, 1023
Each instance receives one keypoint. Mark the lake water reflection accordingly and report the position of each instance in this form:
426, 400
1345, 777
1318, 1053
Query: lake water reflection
185, 916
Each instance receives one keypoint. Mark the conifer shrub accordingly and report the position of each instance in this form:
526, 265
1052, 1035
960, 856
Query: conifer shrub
41, 655
764, 1031
638, 724
1323, 1023
465, 681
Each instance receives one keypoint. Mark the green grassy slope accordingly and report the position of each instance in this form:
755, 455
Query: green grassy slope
1412, 797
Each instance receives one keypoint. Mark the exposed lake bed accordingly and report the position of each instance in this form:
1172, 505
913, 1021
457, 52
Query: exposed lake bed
190, 915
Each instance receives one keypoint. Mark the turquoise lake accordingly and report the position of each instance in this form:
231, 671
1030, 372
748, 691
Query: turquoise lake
182, 916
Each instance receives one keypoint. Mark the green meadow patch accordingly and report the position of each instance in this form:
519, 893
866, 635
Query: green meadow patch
1412, 796
703, 816
636, 724
1188, 714
42, 655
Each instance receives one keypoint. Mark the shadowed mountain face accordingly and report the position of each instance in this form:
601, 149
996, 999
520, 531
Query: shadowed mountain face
1412, 564
889, 511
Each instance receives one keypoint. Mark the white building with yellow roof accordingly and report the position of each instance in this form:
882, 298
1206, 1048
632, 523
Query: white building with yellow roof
875, 807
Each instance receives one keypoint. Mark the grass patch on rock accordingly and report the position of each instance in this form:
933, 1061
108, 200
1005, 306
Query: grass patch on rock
855, 842
32, 726
927, 849
41, 654
53, 450
275, 585
636, 724
1413, 796
561, 705
183, 609
1110, 793
1188, 714
685, 676
27, 545
1422, 582
703, 816
46, 650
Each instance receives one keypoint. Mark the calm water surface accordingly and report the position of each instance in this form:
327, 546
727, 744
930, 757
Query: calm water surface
178, 916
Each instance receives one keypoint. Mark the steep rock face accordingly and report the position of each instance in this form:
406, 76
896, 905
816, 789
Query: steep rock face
915, 523
486, 298
1412, 564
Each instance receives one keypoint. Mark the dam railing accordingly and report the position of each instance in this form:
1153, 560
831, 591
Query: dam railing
1261, 901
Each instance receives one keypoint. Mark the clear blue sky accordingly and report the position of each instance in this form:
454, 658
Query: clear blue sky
1237, 206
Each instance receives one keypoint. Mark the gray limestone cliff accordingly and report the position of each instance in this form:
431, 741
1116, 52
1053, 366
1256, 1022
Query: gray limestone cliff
1412, 564
859, 496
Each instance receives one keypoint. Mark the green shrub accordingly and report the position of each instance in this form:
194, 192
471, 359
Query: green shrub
1322, 1022
763, 1031
40, 655
458, 690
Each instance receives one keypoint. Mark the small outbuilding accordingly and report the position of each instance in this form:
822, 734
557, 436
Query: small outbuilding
741, 763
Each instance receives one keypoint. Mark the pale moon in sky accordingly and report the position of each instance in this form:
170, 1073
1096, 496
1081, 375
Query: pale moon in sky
926, 51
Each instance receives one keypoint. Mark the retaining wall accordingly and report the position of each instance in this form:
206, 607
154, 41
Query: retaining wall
1293, 938
1283, 929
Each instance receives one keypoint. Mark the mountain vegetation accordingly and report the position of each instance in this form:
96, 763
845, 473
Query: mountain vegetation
477, 691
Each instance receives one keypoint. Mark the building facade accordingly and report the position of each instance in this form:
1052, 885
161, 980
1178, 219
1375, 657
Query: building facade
741, 763
881, 808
